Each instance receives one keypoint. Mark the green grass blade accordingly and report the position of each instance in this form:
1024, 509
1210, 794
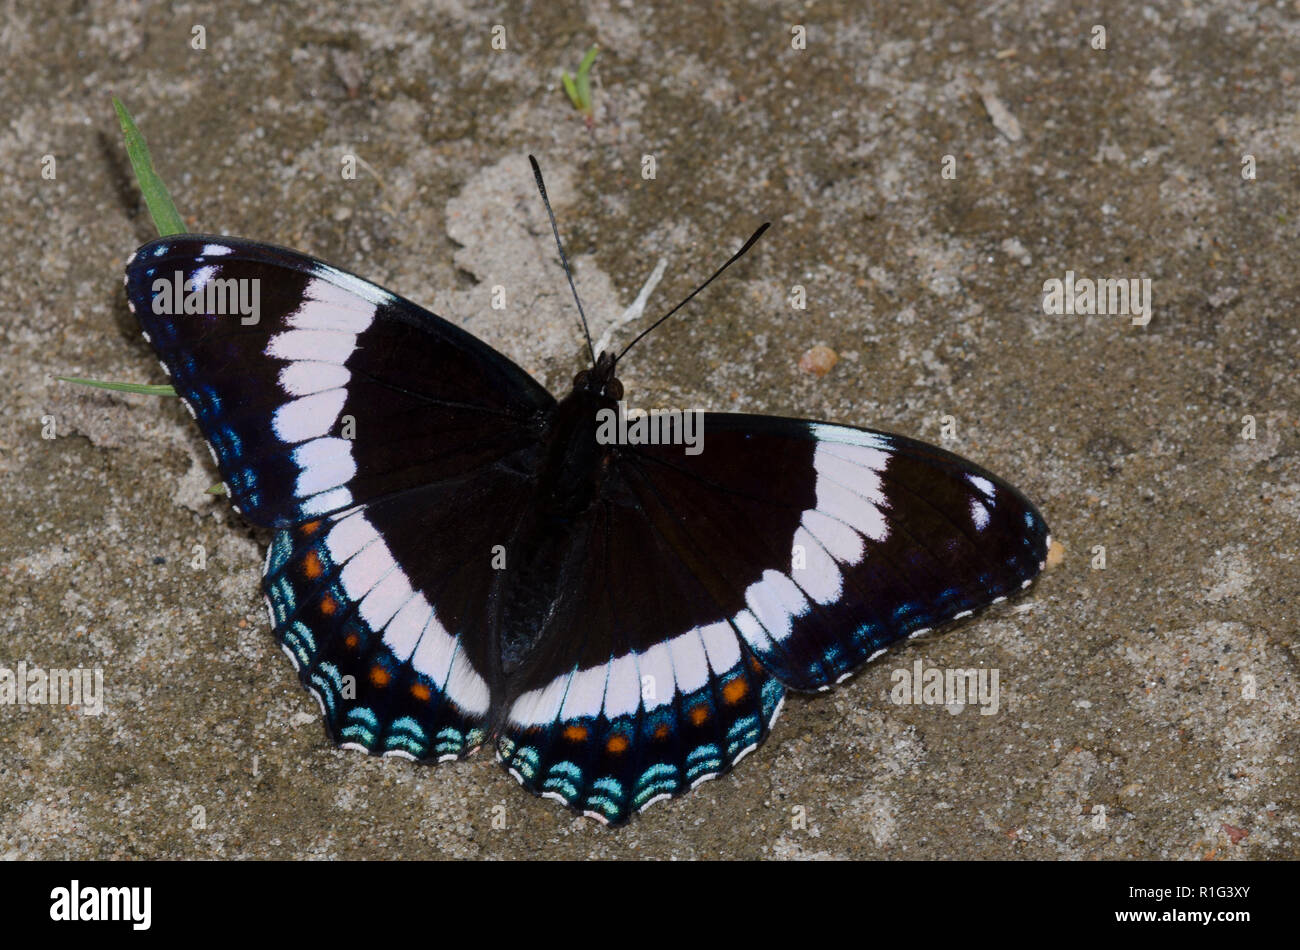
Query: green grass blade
571, 89
578, 87
143, 389
584, 78
166, 219
161, 208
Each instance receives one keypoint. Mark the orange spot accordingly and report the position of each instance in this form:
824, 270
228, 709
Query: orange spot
617, 743
328, 605
735, 691
421, 692
311, 527
699, 714
379, 676
575, 733
661, 731
755, 665
311, 565
351, 641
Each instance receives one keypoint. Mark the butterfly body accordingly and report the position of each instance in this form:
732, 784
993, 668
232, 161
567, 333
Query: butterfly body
569, 479
458, 559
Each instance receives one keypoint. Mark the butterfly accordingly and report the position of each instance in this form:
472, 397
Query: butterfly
458, 560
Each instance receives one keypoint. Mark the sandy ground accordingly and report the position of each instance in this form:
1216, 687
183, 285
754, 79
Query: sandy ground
1148, 709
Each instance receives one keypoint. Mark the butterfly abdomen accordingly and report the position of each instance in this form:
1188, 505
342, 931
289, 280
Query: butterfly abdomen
546, 550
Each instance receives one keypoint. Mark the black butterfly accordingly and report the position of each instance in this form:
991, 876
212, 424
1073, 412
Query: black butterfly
458, 559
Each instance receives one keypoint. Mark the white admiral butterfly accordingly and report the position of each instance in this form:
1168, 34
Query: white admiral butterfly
473, 564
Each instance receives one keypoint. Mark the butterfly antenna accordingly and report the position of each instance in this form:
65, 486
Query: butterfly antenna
734, 257
541, 186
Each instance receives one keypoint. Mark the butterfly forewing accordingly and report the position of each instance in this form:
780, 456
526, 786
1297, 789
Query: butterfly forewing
335, 392
831, 542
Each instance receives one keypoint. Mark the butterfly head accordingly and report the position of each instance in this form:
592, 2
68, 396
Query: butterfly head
600, 379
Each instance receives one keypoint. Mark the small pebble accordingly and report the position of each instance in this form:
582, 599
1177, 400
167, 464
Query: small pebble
1055, 554
819, 360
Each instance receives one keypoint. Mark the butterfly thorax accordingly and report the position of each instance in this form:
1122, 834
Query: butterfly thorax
542, 553
573, 458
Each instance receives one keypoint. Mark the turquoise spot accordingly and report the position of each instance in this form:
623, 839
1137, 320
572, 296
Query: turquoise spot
409, 726
359, 732
567, 769
299, 639
525, 760
770, 696
281, 547
363, 715
282, 601
406, 743
610, 785
650, 791
562, 785
604, 805
744, 732
324, 691
658, 772
703, 759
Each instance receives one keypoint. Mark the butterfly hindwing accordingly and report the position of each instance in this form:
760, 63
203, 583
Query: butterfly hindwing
647, 702
381, 609
371, 698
